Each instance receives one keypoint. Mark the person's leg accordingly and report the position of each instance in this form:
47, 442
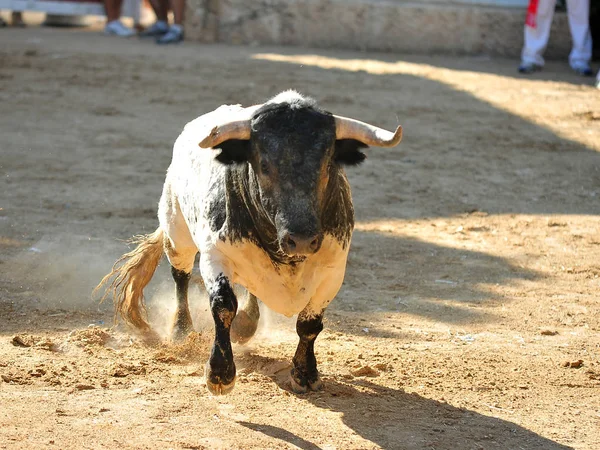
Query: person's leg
579, 23
113, 9
161, 26
161, 9
175, 33
17, 19
113, 24
537, 33
178, 7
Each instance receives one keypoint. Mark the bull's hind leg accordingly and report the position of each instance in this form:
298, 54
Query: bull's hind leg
304, 373
182, 325
246, 321
182, 263
181, 253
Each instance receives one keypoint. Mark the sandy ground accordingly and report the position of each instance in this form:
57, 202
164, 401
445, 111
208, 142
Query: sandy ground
469, 317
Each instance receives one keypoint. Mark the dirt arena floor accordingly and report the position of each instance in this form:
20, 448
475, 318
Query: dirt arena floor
469, 317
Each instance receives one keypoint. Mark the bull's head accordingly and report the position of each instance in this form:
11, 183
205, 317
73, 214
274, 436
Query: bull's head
295, 152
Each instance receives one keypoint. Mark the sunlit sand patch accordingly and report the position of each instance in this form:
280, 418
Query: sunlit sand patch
470, 82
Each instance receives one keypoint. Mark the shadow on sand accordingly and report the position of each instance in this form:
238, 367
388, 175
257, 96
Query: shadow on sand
394, 419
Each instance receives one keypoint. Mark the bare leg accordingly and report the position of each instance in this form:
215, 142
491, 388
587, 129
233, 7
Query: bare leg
183, 320
161, 9
246, 321
17, 19
220, 368
113, 9
304, 373
178, 7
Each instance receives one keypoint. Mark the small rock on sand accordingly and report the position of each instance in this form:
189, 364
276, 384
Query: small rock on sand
365, 371
548, 332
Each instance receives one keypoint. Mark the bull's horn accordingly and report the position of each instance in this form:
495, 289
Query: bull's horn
238, 128
346, 128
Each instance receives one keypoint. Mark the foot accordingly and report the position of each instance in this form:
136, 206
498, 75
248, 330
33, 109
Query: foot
182, 324
301, 384
243, 328
216, 384
173, 36
157, 29
180, 332
116, 28
528, 68
584, 71
245, 323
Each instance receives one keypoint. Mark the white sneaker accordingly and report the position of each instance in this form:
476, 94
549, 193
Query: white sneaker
116, 28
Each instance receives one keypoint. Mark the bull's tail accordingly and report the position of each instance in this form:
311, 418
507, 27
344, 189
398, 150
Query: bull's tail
128, 278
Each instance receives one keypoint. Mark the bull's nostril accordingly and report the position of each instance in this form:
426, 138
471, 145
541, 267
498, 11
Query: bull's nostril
314, 244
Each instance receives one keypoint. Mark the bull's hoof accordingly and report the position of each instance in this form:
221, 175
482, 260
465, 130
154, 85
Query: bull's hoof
301, 385
151, 338
182, 326
298, 388
179, 334
215, 385
243, 327
317, 385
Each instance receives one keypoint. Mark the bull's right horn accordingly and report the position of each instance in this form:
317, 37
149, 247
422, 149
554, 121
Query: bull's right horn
234, 129
239, 129
346, 128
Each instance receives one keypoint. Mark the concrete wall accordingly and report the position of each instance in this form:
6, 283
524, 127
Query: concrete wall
442, 26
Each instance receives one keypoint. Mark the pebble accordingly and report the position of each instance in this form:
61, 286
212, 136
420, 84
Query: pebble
365, 371
548, 332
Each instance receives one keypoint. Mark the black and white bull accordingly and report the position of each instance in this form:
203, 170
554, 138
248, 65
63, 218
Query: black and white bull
266, 203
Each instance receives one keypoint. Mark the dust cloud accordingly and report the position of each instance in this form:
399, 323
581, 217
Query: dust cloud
61, 271
161, 304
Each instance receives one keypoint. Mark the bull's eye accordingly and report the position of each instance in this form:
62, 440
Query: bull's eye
264, 168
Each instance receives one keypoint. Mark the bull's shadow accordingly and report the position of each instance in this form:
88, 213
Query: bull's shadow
394, 419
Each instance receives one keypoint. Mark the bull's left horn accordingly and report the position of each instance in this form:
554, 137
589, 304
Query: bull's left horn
346, 128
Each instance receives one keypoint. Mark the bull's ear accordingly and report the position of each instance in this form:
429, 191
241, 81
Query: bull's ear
233, 151
348, 152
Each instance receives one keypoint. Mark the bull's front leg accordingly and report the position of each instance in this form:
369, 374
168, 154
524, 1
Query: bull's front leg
220, 368
304, 373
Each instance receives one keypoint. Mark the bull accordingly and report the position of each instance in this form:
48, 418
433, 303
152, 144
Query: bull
266, 203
